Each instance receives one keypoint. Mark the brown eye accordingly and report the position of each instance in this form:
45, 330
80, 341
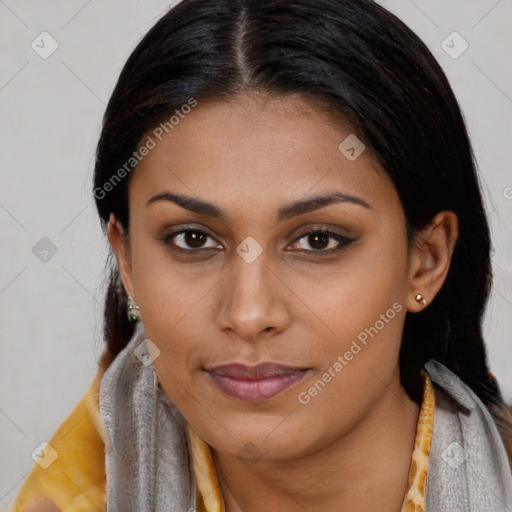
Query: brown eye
194, 239
320, 239
189, 240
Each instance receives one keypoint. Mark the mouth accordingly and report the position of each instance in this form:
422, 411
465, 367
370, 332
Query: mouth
255, 383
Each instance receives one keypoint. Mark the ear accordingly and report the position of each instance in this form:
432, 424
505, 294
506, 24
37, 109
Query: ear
119, 241
430, 258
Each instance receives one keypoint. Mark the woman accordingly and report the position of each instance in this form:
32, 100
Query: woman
294, 312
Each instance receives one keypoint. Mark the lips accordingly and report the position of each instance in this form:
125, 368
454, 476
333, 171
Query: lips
255, 383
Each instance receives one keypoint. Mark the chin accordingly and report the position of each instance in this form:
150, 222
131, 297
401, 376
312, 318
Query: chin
259, 441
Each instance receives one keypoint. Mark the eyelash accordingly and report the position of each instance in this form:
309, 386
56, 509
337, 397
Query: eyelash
343, 240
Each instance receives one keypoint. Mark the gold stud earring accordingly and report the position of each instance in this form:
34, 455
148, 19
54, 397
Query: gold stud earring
420, 299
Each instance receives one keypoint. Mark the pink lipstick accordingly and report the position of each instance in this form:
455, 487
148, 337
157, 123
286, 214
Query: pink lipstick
255, 383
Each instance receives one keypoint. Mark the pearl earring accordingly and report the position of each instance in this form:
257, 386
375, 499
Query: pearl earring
133, 311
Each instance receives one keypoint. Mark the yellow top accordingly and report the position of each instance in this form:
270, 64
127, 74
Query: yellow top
69, 473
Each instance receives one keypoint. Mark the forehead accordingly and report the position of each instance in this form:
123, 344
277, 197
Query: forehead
259, 152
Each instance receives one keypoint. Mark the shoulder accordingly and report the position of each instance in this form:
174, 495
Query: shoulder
468, 462
70, 470
43, 506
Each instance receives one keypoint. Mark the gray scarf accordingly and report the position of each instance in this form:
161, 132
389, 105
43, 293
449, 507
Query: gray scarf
148, 459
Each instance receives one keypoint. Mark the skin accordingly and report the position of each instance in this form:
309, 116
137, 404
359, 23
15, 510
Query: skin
350, 447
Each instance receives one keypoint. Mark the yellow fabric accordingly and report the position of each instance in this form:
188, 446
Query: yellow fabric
414, 500
76, 482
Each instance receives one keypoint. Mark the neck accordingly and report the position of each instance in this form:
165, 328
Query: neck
366, 467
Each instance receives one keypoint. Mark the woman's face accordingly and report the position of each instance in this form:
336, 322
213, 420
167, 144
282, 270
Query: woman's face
246, 284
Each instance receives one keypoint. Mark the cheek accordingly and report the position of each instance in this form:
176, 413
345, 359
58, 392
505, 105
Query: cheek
362, 311
368, 287
171, 301
357, 356
168, 291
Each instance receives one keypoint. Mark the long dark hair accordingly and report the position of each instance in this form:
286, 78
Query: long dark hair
367, 67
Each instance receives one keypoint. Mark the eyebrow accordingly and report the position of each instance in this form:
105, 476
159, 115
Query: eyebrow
294, 209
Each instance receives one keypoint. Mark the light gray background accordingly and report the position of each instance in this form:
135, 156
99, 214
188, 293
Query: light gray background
51, 109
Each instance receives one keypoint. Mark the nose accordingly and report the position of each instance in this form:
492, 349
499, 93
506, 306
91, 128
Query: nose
252, 299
